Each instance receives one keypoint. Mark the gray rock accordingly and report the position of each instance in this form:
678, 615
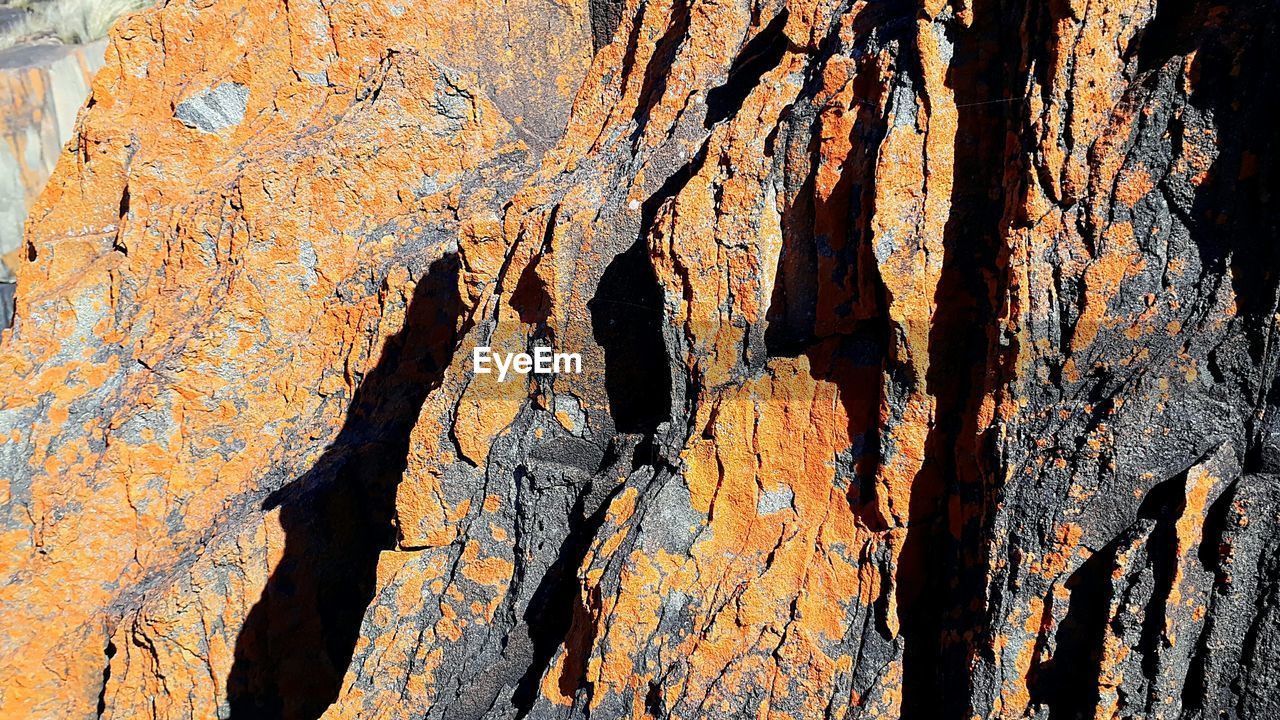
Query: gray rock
10, 17
7, 290
215, 109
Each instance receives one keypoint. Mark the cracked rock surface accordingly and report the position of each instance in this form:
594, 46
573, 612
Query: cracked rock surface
927, 365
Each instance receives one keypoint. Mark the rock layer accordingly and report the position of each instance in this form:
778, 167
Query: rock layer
927, 365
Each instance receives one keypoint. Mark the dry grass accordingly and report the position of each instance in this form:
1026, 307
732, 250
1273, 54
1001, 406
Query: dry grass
68, 21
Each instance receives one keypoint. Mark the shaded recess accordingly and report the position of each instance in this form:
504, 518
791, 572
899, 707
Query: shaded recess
298, 639
759, 56
824, 240
660, 64
626, 321
1068, 683
556, 615
941, 574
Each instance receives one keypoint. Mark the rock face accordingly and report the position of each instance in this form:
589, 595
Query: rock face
928, 365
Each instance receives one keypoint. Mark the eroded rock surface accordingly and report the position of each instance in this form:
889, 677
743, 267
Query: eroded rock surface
928, 365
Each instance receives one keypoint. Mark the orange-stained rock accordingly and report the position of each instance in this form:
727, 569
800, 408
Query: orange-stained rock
199, 307
927, 366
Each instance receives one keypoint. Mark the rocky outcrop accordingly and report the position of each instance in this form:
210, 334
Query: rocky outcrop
41, 89
927, 365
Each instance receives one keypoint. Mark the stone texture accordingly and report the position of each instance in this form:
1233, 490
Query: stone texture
928, 366
214, 109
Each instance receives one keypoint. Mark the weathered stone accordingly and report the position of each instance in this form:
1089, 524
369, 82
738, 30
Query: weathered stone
215, 109
928, 366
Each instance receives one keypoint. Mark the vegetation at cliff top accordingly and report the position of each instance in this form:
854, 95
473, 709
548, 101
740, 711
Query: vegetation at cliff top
67, 21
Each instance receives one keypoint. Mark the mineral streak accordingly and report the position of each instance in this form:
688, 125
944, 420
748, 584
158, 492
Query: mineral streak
928, 365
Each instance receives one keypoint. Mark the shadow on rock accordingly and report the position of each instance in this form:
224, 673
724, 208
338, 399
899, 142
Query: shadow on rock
298, 639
